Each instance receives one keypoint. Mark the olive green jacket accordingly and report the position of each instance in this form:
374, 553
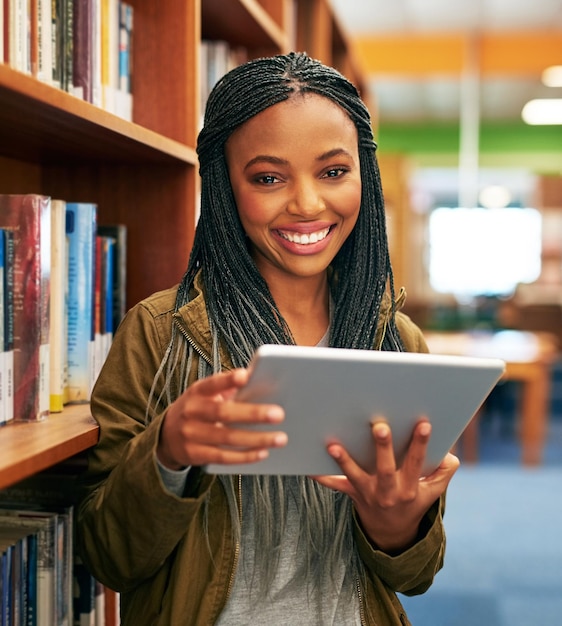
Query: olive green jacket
149, 545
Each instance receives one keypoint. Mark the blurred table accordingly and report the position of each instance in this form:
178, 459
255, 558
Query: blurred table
528, 357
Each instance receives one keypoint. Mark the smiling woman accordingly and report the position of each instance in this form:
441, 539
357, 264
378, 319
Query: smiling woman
290, 248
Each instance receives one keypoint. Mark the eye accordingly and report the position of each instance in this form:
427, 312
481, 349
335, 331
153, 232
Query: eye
266, 179
335, 172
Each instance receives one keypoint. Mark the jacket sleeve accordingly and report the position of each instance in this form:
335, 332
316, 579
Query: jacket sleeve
123, 485
412, 571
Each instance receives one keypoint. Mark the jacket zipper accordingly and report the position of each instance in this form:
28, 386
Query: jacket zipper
202, 355
193, 343
237, 546
360, 597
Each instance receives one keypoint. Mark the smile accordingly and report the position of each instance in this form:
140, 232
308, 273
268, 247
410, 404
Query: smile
305, 238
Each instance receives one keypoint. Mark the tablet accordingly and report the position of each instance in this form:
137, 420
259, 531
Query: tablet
334, 394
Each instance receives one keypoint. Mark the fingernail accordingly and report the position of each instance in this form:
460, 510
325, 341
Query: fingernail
280, 439
382, 431
275, 414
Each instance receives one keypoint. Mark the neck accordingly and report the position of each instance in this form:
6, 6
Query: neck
305, 307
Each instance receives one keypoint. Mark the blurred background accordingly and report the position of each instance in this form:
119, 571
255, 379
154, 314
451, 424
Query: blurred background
465, 99
472, 176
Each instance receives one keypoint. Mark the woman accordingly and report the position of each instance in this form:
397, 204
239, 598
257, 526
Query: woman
290, 248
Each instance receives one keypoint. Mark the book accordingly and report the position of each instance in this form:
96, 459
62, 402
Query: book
98, 305
40, 37
118, 232
29, 217
124, 92
44, 525
2, 334
109, 61
57, 51
57, 334
81, 219
8, 236
83, 49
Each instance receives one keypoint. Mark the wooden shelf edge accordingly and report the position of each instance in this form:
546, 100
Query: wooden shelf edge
30, 447
254, 27
53, 111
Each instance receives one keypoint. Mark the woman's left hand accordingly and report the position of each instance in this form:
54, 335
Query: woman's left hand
391, 502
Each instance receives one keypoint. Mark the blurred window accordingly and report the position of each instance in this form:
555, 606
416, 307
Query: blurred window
483, 251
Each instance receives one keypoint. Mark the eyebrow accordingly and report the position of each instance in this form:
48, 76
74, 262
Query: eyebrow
266, 158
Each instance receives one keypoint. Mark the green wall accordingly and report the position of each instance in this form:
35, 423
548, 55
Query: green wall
507, 143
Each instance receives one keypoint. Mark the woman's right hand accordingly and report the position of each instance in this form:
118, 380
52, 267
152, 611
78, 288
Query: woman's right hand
206, 425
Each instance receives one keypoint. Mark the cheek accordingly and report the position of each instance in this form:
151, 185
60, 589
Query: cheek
349, 202
254, 209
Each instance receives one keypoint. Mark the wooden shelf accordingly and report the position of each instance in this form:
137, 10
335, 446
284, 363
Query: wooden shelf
40, 123
243, 23
30, 447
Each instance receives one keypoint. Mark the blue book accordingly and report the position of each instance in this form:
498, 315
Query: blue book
81, 220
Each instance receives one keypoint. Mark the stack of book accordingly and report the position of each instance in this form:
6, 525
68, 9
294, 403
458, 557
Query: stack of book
80, 46
62, 295
42, 579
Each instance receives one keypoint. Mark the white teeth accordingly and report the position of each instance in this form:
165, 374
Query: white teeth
305, 238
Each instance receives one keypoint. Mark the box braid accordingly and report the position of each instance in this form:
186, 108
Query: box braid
241, 310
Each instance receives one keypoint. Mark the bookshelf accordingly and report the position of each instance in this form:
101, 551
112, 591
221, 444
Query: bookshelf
141, 173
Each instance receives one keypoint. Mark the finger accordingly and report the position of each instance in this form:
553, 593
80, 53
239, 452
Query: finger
222, 382
348, 466
385, 461
446, 470
239, 438
205, 455
412, 466
335, 483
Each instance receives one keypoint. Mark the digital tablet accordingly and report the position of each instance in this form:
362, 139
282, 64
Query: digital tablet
334, 394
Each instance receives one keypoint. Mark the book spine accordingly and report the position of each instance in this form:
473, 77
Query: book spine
57, 304
29, 217
9, 259
44, 41
118, 232
82, 53
3, 399
81, 231
67, 41
56, 42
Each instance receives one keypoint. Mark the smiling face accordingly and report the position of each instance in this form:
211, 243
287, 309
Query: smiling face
294, 171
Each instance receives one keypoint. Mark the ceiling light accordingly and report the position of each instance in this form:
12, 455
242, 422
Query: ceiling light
552, 76
543, 111
494, 197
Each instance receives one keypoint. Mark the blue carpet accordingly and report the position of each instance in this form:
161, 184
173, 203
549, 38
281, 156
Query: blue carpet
503, 564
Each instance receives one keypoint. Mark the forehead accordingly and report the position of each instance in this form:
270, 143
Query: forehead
304, 114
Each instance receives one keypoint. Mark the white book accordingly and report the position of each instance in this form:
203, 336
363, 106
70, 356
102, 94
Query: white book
57, 333
45, 41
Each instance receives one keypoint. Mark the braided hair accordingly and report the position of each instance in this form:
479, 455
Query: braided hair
241, 310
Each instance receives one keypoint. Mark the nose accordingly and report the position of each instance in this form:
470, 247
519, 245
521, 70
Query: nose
306, 199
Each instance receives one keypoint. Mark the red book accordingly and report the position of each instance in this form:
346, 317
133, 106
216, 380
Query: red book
83, 49
29, 217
